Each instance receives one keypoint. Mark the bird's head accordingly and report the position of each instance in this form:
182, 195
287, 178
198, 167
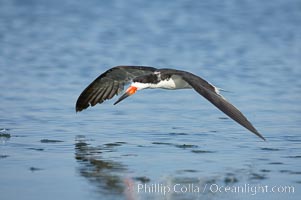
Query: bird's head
132, 90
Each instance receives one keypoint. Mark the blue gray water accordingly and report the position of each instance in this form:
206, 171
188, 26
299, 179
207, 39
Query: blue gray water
51, 50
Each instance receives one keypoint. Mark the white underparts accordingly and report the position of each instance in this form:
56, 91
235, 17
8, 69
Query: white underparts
173, 83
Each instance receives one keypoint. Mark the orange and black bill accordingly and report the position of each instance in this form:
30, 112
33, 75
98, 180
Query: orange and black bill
130, 91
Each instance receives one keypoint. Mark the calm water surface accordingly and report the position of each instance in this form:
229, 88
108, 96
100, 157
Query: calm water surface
51, 50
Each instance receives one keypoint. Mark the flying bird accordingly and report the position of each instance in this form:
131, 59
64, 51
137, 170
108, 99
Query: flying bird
112, 83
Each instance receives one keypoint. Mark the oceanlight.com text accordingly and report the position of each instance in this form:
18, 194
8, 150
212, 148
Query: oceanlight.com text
214, 188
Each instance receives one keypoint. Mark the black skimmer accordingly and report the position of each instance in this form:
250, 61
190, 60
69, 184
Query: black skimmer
112, 82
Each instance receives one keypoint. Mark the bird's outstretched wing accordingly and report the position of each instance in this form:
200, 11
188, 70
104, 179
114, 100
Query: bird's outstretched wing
109, 84
211, 94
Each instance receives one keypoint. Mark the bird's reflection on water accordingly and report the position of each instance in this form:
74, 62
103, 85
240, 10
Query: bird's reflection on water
110, 178
104, 174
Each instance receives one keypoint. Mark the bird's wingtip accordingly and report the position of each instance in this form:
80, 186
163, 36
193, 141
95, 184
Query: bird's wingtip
259, 135
263, 138
78, 108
